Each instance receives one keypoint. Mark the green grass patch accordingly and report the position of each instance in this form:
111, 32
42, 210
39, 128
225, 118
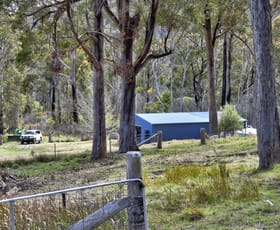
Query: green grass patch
188, 185
43, 164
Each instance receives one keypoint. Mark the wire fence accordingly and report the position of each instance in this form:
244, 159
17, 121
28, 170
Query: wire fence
111, 205
60, 209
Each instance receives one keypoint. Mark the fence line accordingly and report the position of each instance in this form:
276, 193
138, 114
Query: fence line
159, 140
135, 201
71, 190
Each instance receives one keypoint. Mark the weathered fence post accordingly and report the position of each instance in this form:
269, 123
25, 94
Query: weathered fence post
203, 136
137, 219
50, 138
12, 215
159, 140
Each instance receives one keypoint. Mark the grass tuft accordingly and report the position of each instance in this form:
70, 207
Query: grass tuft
191, 214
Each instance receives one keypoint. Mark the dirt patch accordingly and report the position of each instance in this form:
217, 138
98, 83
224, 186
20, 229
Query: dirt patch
12, 184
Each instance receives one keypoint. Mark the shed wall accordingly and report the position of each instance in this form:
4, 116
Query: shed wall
180, 131
146, 128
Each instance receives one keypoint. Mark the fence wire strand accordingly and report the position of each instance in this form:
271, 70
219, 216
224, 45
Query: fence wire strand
60, 209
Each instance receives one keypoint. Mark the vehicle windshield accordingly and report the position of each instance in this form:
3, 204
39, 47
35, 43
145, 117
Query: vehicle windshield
29, 132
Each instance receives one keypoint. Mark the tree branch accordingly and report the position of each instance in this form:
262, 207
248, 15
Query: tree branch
217, 27
244, 42
40, 9
150, 57
110, 13
150, 26
42, 17
80, 42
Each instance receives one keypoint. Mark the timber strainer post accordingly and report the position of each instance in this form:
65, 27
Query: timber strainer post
137, 214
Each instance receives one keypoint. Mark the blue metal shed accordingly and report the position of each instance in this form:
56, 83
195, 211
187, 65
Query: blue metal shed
173, 125
184, 125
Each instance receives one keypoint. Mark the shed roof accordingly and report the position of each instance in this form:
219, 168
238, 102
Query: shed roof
177, 118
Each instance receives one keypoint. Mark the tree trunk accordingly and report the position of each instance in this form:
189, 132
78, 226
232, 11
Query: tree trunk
127, 117
59, 109
268, 121
254, 107
147, 108
229, 68
1, 111
73, 86
127, 111
197, 86
128, 20
1, 120
99, 127
183, 81
224, 86
171, 81
53, 97
213, 119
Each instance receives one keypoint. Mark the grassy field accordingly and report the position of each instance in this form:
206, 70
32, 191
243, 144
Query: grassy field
188, 185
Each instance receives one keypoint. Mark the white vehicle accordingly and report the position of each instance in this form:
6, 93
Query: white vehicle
31, 136
247, 131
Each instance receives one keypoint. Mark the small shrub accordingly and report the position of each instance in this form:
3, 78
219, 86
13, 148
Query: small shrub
220, 185
229, 120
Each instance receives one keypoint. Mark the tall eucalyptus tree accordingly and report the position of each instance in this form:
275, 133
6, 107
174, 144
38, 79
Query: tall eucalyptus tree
10, 77
268, 130
127, 20
54, 14
95, 52
210, 42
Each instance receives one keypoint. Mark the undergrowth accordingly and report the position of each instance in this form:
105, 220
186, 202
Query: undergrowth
193, 188
200, 185
52, 213
186, 187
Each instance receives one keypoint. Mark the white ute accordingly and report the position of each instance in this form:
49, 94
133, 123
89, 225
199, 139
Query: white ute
31, 136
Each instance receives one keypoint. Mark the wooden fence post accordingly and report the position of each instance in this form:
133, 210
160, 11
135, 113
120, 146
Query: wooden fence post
50, 138
203, 136
159, 140
136, 209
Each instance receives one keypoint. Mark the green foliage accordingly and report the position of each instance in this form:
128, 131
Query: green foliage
229, 120
205, 185
165, 100
50, 121
178, 174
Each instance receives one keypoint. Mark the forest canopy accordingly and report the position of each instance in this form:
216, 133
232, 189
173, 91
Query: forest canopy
174, 56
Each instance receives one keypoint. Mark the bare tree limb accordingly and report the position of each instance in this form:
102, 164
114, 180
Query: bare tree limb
110, 13
80, 42
244, 42
153, 56
150, 26
40, 9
